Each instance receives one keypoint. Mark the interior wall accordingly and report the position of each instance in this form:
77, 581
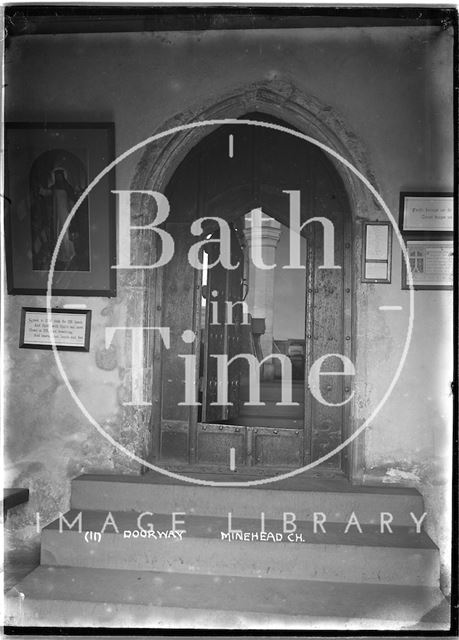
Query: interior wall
289, 292
391, 86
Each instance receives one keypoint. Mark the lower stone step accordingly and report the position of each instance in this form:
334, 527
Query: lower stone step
402, 557
78, 597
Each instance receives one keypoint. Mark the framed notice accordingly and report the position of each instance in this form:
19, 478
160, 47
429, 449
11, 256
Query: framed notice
430, 212
377, 252
431, 263
48, 170
71, 329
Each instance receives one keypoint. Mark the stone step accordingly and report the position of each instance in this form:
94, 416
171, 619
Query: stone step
402, 557
79, 597
301, 495
272, 391
271, 410
269, 421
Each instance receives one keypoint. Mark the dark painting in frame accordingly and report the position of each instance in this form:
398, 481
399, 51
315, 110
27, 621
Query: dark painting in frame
47, 168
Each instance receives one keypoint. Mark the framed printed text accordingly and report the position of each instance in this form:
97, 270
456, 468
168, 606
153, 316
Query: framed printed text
71, 329
430, 212
431, 263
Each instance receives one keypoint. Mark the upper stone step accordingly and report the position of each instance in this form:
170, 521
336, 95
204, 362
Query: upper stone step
301, 495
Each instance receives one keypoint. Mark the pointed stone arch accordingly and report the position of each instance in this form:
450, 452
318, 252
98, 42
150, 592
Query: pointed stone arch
277, 98
282, 99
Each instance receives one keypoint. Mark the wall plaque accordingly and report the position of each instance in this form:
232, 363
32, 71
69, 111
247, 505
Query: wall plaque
426, 212
431, 263
377, 252
71, 329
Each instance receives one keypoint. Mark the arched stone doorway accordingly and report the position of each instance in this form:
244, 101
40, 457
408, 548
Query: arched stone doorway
161, 160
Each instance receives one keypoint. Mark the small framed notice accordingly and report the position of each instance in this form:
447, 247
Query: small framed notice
431, 212
431, 263
377, 252
71, 329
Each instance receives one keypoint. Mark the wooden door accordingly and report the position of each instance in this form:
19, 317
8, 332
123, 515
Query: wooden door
209, 183
328, 320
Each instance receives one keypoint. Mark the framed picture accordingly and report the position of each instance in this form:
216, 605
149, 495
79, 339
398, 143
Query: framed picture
48, 167
71, 329
431, 212
431, 263
377, 252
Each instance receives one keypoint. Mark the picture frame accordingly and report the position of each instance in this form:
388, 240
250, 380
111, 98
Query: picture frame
377, 252
47, 168
71, 329
431, 263
430, 212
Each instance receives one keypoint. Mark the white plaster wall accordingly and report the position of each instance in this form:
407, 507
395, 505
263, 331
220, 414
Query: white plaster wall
289, 292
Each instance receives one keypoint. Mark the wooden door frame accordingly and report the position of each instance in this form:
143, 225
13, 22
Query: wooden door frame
303, 112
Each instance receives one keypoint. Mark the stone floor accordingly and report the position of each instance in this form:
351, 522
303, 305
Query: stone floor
21, 557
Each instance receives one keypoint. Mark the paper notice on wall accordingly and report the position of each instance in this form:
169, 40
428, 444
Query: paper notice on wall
376, 270
68, 329
377, 243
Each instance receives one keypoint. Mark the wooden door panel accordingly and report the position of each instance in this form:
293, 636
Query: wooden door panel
175, 440
326, 332
215, 441
327, 339
277, 447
